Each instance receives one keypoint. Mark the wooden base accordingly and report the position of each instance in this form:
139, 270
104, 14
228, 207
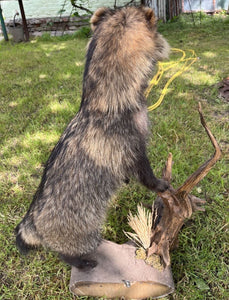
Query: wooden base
120, 274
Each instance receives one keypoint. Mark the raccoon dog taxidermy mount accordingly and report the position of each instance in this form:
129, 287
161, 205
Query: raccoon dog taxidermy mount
104, 144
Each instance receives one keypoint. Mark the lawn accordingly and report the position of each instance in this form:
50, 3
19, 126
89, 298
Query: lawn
40, 91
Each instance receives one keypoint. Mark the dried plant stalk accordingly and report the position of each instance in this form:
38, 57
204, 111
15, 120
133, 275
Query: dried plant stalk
142, 226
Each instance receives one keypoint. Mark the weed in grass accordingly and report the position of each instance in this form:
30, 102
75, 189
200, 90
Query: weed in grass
40, 91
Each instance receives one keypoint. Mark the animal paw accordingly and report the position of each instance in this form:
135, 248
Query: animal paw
161, 186
86, 264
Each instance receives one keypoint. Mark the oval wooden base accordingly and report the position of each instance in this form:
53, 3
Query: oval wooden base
120, 274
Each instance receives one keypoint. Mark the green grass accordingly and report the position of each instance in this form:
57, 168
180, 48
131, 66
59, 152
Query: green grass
40, 91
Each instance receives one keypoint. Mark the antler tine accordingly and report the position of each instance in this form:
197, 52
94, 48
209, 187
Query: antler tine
203, 170
167, 172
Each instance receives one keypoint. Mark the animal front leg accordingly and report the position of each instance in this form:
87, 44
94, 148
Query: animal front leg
147, 178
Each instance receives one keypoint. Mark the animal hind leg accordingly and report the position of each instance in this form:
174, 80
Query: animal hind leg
80, 262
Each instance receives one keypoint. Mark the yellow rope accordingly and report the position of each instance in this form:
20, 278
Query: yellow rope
162, 67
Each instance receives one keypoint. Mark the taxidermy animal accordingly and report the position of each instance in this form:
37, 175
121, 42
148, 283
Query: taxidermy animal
104, 144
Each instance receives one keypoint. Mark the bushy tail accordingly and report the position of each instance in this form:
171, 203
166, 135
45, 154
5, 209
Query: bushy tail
22, 246
26, 239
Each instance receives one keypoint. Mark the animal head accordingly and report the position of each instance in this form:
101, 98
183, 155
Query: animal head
136, 28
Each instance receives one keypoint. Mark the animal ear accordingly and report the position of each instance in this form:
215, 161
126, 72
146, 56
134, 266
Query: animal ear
150, 16
98, 17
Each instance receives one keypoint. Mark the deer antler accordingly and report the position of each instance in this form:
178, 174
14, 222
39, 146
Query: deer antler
172, 207
203, 170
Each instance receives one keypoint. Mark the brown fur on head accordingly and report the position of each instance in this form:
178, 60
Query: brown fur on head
150, 16
98, 17
103, 12
126, 41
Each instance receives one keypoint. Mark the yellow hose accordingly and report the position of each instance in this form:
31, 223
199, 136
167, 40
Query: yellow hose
165, 66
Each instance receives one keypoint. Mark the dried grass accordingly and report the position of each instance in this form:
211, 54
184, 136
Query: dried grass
141, 223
